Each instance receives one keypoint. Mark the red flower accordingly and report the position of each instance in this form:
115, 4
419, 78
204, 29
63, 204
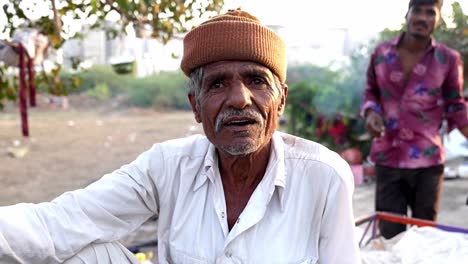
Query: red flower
320, 126
337, 129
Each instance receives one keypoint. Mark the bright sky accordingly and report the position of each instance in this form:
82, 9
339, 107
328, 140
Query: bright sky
370, 14
360, 16
315, 30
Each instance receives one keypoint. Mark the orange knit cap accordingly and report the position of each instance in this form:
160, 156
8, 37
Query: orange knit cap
236, 35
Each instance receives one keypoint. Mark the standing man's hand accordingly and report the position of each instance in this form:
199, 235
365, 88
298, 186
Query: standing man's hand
464, 131
374, 123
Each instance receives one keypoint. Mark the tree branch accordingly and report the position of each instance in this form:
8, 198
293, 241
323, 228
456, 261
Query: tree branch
77, 6
58, 22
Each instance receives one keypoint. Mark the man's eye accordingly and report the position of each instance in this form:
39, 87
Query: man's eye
431, 13
258, 81
217, 84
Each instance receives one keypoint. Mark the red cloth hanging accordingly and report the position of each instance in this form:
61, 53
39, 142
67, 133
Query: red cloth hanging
22, 92
32, 88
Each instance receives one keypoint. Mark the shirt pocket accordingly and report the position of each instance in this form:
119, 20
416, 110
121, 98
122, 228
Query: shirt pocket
181, 257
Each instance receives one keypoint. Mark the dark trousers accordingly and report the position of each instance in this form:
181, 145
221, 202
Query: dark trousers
396, 189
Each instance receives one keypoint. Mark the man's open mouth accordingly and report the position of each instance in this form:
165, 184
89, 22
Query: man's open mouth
239, 122
421, 25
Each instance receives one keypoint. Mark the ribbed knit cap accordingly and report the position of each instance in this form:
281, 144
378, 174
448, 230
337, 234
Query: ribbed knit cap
236, 35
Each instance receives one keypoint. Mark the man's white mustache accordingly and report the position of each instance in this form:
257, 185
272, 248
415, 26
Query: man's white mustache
237, 113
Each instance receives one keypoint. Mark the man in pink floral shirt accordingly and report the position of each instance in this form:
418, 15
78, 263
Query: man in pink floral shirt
413, 84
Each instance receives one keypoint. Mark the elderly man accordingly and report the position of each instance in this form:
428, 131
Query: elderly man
241, 194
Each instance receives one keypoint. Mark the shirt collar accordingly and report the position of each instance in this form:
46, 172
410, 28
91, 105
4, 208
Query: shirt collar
277, 159
209, 164
394, 41
275, 166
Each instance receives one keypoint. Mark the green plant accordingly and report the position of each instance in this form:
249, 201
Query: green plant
8, 91
163, 90
100, 74
325, 109
100, 92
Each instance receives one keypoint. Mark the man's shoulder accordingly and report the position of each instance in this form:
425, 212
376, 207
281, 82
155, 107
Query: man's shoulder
301, 148
446, 50
384, 43
388, 43
307, 151
383, 46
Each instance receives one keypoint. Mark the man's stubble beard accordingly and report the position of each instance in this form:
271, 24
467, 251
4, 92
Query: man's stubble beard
247, 147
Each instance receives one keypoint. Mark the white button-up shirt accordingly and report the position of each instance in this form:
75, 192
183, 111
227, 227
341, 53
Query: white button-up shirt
300, 212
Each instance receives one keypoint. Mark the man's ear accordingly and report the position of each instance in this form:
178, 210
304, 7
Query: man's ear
282, 103
439, 22
193, 103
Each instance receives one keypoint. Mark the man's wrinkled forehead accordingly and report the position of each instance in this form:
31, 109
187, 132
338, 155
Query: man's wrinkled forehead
230, 68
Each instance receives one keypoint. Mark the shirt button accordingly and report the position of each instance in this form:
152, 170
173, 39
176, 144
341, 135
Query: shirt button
238, 220
222, 214
228, 254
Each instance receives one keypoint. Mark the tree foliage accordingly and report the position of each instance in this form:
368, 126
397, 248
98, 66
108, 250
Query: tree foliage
59, 19
323, 106
456, 36
166, 17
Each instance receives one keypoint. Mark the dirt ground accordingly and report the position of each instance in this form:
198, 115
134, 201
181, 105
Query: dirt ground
70, 148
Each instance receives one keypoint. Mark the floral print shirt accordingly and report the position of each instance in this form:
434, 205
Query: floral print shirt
413, 112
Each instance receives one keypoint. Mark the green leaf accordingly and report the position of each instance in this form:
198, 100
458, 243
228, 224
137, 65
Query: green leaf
123, 4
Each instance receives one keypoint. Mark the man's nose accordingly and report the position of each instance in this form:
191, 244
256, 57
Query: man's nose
239, 95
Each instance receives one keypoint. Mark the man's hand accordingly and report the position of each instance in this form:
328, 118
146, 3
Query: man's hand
464, 131
374, 123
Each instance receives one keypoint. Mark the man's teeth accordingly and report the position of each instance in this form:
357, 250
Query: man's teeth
239, 122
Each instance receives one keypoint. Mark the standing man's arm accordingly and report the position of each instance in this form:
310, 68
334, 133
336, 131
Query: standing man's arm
464, 131
456, 109
104, 211
338, 242
371, 109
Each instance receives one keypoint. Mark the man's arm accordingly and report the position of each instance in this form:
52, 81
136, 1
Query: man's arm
338, 243
371, 91
464, 131
102, 212
370, 109
455, 106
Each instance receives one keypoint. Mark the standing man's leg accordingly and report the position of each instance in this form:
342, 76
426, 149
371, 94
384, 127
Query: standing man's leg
390, 196
103, 253
428, 187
